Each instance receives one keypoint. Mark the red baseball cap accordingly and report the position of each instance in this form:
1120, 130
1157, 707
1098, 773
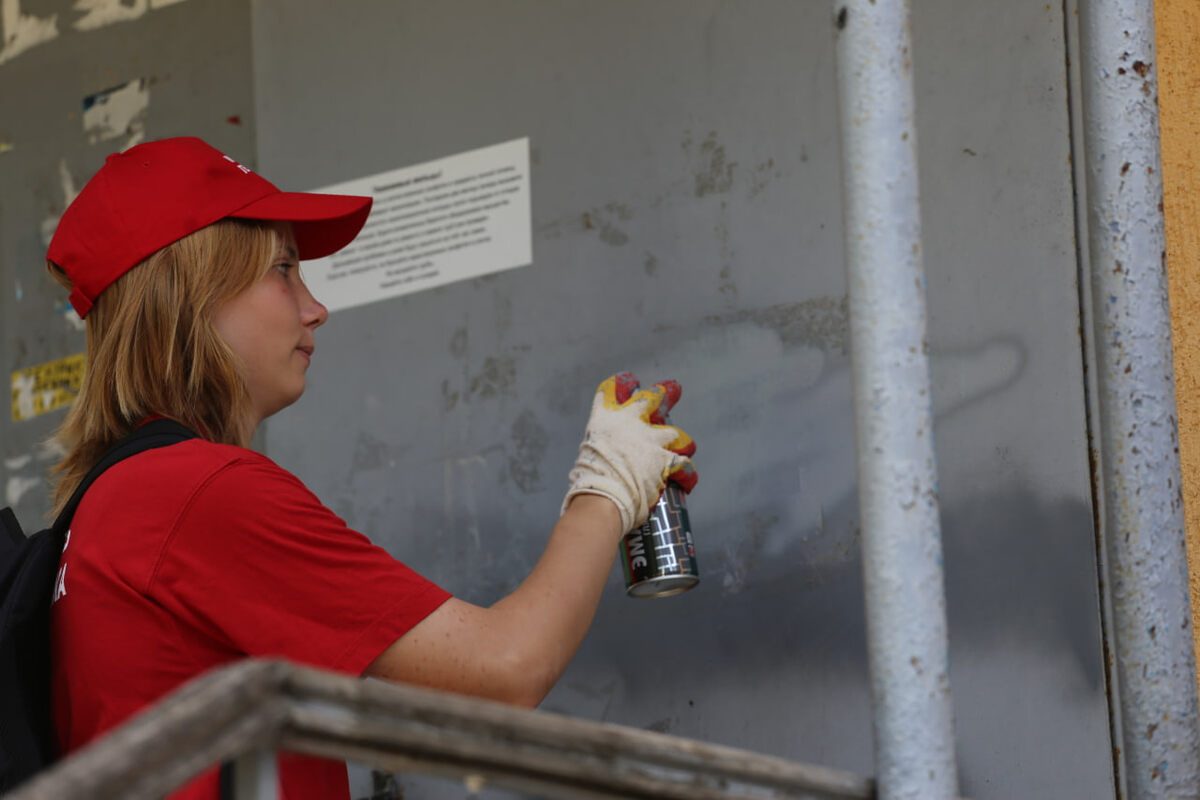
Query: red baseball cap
153, 194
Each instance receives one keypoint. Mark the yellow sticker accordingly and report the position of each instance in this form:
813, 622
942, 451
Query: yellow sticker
45, 387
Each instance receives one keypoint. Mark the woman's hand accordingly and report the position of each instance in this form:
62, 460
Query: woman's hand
629, 452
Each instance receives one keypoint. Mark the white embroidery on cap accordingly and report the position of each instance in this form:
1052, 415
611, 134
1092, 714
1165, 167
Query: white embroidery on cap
244, 169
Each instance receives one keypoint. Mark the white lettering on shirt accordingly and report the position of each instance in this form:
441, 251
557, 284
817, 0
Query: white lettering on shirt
60, 584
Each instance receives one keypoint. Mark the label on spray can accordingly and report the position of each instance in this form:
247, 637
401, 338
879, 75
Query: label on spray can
659, 557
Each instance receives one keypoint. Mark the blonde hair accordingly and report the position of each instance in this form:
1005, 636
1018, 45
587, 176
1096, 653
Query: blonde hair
152, 347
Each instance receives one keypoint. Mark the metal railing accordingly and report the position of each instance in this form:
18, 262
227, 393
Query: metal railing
247, 711
1154, 709
1156, 720
907, 641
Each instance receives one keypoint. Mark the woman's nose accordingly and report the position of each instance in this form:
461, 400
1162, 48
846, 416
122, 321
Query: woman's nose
314, 312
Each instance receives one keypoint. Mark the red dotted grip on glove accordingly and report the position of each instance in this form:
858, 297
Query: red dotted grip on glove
626, 386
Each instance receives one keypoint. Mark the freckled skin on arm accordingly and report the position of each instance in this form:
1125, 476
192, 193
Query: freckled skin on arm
515, 650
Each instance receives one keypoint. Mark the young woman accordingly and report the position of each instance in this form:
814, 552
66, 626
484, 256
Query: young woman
185, 266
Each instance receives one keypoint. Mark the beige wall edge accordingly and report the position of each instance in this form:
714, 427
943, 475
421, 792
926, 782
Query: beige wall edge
1177, 35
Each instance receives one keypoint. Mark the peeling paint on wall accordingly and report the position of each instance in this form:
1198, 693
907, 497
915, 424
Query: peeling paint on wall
51, 450
529, 443
117, 112
713, 169
101, 13
69, 192
821, 322
22, 32
16, 487
72, 318
498, 376
66, 182
20, 462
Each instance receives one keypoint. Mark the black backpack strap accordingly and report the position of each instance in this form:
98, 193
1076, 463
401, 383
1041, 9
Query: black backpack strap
156, 433
27, 581
225, 781
10, 529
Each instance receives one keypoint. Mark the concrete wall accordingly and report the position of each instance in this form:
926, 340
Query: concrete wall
687, 224
74, 87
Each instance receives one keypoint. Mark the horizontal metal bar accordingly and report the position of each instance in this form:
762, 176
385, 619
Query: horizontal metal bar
447, 734
259, 705
216, 717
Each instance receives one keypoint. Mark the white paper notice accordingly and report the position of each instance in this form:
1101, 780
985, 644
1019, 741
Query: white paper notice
434, 223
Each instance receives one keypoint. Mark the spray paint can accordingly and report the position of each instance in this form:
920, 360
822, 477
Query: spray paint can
659, 557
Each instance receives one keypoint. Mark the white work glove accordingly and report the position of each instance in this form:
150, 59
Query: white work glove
628, 453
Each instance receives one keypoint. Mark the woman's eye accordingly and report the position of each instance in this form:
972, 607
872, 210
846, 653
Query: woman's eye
284, 267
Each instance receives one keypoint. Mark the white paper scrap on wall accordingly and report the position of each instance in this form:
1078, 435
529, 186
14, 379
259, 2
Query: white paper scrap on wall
20, 31
16, 487
447, 220
117, 112
101, 13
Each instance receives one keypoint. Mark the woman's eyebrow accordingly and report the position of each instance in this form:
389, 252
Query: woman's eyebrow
290, 252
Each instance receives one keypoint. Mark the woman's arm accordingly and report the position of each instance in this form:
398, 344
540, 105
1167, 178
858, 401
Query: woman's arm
515, 650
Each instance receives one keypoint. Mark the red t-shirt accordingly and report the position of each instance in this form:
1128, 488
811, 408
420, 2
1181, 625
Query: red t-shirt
191, 556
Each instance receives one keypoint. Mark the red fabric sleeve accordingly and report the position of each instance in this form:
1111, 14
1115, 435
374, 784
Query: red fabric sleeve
257, 561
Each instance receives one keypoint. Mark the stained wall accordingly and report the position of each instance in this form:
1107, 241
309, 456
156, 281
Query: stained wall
686, 210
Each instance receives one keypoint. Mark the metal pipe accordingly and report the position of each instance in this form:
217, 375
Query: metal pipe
1143, 523
256, 776
897, 473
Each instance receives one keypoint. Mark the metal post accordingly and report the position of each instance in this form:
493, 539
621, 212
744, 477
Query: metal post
897, 474
255, 776
1143, 524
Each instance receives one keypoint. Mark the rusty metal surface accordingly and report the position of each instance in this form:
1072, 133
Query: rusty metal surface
907, 646
1143, 523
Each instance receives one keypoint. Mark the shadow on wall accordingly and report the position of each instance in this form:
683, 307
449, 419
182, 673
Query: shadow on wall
1020, 573
769, 652
780, 667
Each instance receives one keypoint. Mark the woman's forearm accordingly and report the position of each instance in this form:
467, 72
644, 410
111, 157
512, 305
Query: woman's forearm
514, 650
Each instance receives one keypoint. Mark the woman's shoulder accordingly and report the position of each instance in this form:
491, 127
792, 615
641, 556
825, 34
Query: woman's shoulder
193, 461
210, 478
199, 471
231, 466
